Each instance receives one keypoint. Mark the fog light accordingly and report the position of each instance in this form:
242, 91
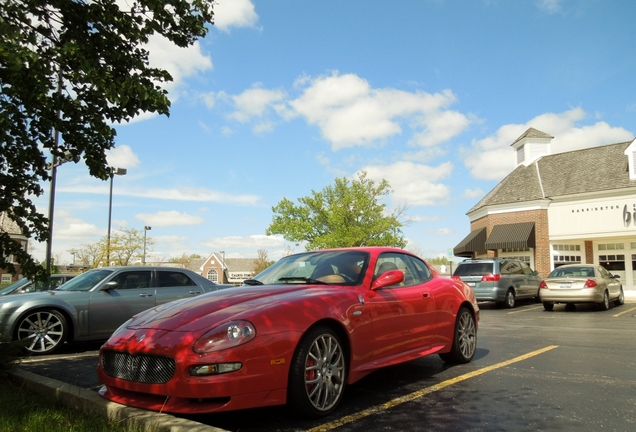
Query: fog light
214, 369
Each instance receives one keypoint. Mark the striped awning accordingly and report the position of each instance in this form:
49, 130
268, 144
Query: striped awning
511, 236
473, 244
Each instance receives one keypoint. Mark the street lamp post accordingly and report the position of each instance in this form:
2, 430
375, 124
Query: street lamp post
113, 171
143, 257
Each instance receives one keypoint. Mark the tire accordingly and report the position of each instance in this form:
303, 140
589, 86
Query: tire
42, 331
318, 374
621, 298
548, 306
464, 339
510, 302
604, 305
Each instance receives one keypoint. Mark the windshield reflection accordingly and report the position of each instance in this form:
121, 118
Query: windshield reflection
334, 268
86, 281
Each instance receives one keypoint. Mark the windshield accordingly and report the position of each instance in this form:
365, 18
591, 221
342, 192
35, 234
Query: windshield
583, 271
15, 285
85, 281
333, 267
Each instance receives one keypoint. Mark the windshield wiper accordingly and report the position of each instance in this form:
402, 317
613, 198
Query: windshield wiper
252, 282
302, 279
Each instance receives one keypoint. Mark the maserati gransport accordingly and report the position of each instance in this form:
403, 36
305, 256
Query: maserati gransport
295, 334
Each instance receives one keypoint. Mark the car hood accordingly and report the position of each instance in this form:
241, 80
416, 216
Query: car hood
208, 310
46, 295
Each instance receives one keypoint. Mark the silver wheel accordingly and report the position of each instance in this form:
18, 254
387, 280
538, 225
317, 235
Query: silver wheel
42, 331
604, 305
318, 373
465, 340
510, 299
621, 298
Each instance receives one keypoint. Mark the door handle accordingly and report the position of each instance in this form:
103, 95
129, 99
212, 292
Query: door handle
145, 295
426, 295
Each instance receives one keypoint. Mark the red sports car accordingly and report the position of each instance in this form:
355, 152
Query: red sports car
296, 334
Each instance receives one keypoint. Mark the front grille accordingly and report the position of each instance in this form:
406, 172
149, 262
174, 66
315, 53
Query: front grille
141, 368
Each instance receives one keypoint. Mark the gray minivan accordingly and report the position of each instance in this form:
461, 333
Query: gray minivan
501, 280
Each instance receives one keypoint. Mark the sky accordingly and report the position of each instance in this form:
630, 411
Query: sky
284, 96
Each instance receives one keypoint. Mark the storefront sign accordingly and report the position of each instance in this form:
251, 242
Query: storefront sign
593, 218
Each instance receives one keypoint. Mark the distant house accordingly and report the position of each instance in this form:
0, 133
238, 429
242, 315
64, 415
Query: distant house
223, 270
8, 226
554, 209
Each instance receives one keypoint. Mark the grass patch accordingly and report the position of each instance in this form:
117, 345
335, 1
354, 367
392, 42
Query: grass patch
24, 411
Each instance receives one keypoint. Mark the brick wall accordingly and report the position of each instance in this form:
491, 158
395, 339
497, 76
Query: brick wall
542, 240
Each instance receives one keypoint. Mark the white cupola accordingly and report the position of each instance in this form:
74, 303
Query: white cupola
531, 145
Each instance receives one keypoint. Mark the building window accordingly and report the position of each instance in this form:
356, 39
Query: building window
611, 246
6, 278
566, 247
566, 259
213, 275
612, 262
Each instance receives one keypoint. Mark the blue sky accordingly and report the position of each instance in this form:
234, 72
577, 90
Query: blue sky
283, 96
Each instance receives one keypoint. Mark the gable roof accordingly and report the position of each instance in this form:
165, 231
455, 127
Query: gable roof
532, 133
593, 169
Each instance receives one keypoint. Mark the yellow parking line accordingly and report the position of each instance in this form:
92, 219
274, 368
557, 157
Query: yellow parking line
423, 392
624, 312
525, 310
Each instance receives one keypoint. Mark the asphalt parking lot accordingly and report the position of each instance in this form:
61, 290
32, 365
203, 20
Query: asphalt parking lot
569, 369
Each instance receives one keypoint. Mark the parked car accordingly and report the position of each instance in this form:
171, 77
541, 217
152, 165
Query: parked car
296, 333
26, 285
92, 305
581, 283
501, 280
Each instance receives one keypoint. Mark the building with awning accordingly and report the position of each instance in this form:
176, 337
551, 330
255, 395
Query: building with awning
554, 209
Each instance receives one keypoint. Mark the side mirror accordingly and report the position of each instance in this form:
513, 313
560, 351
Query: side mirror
616, 276
109, 286
391, 277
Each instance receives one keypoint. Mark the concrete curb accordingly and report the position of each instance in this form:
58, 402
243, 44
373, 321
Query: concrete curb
90, 402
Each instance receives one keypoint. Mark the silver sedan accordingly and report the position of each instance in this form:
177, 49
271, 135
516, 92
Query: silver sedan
581, 283
92, 305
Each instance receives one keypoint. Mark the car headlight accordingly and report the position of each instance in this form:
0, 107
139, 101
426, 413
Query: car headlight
225, 336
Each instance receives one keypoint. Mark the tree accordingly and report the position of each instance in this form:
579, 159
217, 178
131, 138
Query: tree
69, 71
346, 214
185, 258
126, 248
262, 261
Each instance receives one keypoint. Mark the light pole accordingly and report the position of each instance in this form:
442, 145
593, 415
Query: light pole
113, 171
55, 162
143, 258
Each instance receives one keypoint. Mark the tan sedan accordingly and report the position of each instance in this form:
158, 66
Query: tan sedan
581, 283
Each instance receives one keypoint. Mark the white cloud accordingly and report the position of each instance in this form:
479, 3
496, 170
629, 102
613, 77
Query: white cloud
492, 158
254, 103
549, 6
253, 242
169, 218
234, 13
414, 184
175, 194
122, 157
473, 193
349, 112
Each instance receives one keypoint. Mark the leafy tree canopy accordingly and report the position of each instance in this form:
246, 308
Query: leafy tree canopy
126, 248
76, 67
348, 213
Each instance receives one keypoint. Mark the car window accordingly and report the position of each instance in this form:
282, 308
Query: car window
511, 267
173, 279
397, 261
527, 270
132, 279
421, 270
86, 281
474, 269
604, 273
